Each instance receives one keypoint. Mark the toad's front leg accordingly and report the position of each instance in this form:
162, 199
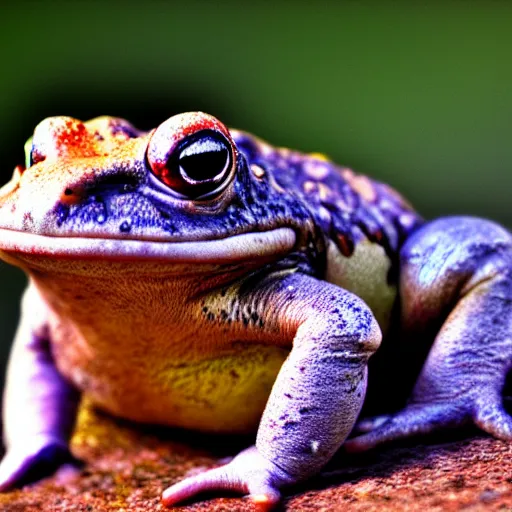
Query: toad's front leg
39, 404
317, 395
458, 271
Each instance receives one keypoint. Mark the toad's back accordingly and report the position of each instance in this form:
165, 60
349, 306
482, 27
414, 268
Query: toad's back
364, 222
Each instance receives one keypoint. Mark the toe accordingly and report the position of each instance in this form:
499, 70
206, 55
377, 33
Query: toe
248, 473
414, 419
369, 424
263, 495
266, 499
491, 417
36, 459
211, 480
11, 468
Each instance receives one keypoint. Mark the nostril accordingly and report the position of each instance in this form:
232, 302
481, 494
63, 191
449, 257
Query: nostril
72, 195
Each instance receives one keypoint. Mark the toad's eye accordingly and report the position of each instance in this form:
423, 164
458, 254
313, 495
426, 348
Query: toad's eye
204, 157
195, 165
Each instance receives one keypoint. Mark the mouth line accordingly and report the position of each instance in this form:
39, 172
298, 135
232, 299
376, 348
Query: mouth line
236, 248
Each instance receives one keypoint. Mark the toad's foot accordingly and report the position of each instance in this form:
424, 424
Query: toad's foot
485, 409
35, 459
248, 473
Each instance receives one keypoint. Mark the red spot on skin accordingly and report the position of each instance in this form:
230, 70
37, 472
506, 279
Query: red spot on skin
345, 245
37, 157
73, 135
378, 236
27, 219
19, 169
64, 137
170, 133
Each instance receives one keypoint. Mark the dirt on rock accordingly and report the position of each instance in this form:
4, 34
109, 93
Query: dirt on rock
127, 467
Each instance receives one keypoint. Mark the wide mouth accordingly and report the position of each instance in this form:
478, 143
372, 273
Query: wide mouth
233, 249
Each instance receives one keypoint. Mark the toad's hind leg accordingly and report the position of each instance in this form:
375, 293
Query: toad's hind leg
459, 270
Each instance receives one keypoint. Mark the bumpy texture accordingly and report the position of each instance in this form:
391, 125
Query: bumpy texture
197, 277
127, 467
346, 206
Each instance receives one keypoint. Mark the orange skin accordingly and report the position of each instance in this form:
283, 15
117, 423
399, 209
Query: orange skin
195, 276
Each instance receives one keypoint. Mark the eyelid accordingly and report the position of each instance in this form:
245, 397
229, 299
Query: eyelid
198, 164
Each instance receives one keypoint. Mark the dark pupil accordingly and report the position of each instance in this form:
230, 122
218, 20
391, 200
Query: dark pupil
204, 157
204, 166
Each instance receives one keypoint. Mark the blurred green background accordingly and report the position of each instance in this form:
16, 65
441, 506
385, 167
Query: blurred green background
417, 94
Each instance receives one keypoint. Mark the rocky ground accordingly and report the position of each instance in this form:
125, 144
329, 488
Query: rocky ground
127, 468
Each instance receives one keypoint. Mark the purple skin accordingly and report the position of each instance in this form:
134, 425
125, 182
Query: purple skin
39, 406
454, 277
459, 268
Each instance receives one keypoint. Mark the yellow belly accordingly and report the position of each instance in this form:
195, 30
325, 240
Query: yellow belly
225, 394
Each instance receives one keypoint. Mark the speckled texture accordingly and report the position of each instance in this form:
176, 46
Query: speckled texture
94, 178
127, 468
331, 254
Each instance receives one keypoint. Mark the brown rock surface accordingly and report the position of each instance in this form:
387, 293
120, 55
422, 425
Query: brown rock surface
128, 467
